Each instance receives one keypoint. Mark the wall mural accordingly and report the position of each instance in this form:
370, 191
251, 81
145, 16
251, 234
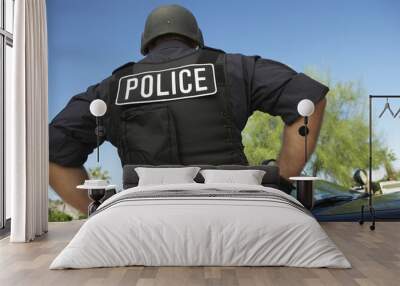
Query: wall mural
340, 160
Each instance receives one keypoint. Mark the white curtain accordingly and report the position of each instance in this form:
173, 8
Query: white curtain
27, 123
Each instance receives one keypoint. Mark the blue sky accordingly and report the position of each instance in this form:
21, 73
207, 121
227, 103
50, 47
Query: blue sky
352, 40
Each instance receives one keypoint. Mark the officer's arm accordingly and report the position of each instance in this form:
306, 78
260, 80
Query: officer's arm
291, 157
71, 140
64, 181
277, 89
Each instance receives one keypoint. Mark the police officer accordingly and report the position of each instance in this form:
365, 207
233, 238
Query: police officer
184, 103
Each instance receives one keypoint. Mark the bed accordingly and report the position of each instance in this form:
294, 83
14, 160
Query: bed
201, 224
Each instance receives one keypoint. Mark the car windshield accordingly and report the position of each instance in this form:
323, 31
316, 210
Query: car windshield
327, 190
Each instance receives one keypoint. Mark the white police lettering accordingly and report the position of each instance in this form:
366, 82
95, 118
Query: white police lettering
148, 86
159, 91
198, 79
171, 84
182, 82
129, 87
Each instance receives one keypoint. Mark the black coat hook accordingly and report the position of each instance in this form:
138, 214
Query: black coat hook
397, 113
387, 107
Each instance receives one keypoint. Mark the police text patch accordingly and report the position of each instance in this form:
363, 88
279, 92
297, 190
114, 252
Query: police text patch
170, 84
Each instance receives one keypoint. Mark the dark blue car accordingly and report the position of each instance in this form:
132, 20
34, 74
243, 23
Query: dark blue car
337, 203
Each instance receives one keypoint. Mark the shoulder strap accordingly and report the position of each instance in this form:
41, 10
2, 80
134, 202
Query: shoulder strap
213, 49
210, 55
129, 64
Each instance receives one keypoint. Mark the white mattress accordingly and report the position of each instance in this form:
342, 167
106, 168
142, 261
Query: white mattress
190, 230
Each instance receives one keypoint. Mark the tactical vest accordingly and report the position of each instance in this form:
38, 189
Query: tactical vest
174, 112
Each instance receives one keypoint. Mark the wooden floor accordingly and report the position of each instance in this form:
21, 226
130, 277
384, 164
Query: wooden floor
375, 257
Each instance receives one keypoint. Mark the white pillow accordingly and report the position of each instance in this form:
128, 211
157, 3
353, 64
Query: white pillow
248, 177
165, 176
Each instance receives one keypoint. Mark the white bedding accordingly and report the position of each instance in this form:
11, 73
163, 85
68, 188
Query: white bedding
190, 230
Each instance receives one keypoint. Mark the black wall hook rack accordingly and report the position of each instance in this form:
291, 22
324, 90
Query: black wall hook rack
370, 206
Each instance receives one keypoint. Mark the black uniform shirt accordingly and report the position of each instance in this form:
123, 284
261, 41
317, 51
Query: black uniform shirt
256, 84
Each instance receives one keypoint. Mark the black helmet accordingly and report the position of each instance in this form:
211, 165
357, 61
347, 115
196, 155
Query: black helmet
170, 19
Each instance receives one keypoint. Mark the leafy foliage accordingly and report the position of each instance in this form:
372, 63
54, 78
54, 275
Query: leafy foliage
56, 215
60, 211
98, 173
343, 140
82, 216
262, 137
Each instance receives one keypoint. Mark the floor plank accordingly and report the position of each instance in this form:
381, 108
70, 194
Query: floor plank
375, 257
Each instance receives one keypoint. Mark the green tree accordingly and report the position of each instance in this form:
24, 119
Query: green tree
98, 173
262, 137
56, 215
343, 141
391, 173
